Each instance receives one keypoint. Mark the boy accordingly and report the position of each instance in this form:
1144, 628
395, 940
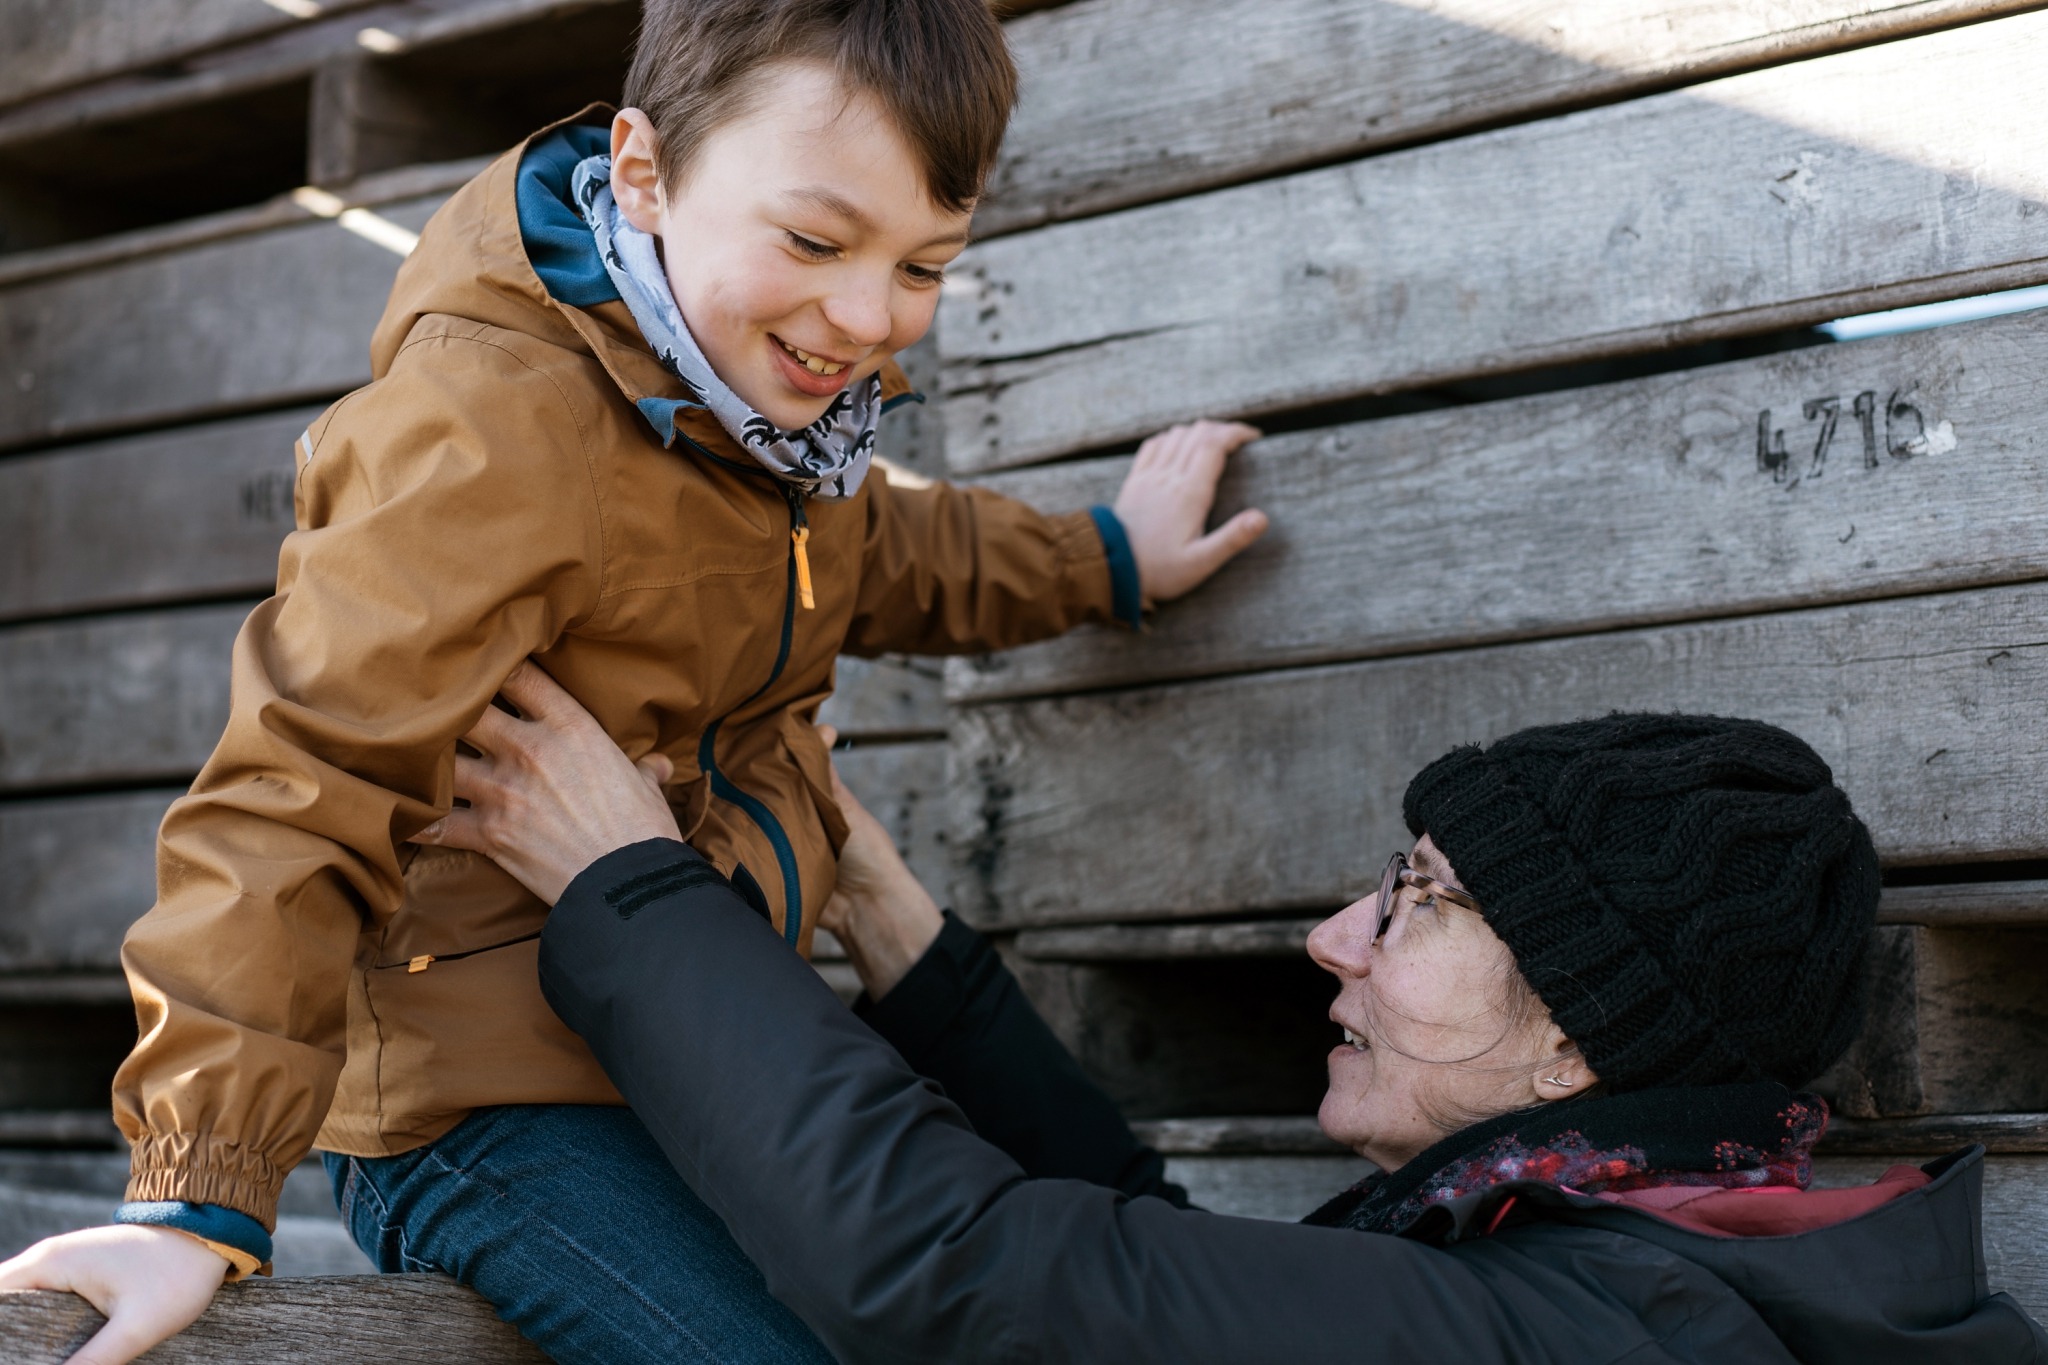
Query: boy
625, 402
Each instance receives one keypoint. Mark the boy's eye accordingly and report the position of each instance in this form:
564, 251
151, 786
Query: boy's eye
817, 251
924, 274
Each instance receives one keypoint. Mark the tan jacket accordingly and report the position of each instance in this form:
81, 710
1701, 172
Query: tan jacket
492, 494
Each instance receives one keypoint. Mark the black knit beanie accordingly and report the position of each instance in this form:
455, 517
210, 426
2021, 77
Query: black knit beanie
1689, 895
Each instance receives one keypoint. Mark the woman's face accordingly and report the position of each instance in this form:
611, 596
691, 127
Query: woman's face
1439, 1036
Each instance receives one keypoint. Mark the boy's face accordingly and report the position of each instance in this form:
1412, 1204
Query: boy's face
801, 246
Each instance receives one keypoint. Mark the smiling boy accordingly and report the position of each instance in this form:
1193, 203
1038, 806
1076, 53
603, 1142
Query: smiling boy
624, 411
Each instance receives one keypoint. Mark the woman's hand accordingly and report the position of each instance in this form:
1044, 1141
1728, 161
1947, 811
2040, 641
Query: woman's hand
149, 1283
549, 792
879, 909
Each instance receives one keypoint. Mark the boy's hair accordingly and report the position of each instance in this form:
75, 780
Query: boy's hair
940, 67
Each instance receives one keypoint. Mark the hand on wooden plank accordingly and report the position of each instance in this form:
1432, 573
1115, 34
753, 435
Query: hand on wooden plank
1164, 506
150, 1283
549, 792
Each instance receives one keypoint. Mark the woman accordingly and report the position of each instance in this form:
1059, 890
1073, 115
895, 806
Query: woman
1572, 1014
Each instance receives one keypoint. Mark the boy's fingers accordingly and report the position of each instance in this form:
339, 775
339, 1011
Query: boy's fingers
1221, 545
117, 1343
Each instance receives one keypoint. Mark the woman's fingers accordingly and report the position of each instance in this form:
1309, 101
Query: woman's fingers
459, 828
538, 696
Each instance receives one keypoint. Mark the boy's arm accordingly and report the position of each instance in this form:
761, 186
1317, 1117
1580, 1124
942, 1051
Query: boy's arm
446, 540
955, 570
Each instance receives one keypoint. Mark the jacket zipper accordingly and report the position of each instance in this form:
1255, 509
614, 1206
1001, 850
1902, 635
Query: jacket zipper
797, 587
425, 960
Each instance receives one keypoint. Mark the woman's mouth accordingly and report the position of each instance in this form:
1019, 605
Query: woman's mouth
808, 373
1356, 1043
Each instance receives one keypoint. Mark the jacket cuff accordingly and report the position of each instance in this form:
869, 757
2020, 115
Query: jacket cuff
194, 1168
1126, 592
629, 879
237, 1237
920, 1009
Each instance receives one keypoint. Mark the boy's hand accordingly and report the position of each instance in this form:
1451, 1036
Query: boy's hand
1165, 501
149, 1283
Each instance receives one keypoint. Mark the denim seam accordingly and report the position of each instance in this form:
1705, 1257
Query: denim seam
385, 1227
604, 1267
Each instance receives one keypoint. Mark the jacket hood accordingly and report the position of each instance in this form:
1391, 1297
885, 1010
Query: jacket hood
510, 250
1889, 1272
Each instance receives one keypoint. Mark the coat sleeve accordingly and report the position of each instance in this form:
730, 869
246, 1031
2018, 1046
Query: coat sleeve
959, 1017
899, 1235
441, 542
950, 570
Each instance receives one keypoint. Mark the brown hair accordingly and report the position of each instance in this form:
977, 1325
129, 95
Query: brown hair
940, 67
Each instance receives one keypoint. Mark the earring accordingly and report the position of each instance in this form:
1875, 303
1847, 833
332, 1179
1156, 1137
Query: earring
1557, 1081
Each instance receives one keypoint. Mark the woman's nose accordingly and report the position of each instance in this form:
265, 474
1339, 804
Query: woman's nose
1342, 944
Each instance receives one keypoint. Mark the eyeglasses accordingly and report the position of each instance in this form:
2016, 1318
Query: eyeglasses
1402, 887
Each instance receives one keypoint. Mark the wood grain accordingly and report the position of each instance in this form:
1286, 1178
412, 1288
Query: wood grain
1618, 505
1282, 791
167, 517
54, 43
1784, 196
115, 698
75, 872
1127, 101
262, 320
143, 696
340, 1320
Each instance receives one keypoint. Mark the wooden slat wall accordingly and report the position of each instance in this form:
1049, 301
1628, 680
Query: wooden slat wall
1789, 195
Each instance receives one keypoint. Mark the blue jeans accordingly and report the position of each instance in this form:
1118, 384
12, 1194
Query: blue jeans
572, 1223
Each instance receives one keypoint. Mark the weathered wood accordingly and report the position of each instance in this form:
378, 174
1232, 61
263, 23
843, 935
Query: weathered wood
1238, 1135
174, 515
55, 43
365, 119
1981, 905
1781, 197
1126, 101
1623, 504
1164, 942
267, 319
1282, 791
904, 786
883, 699
1958, 1024
115, 698
75, 872
1937, 1134
343, 1320
62, 1057
58, 1128
1282, 1188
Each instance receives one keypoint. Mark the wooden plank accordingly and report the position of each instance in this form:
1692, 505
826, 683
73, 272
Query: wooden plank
59, 1128
1623, 504
1958, 1024
55, 43
1282, 1188
75, 872
263, 320
1282, 791
1781, 197
170, 516
115, 698
897, 697
1962, 905
1127, 101
342, 1320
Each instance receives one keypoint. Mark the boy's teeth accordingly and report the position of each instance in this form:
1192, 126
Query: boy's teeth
812, 363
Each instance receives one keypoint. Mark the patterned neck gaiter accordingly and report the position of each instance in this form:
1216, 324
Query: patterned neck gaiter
827, 459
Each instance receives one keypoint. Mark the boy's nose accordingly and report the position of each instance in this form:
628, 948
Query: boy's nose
863, 321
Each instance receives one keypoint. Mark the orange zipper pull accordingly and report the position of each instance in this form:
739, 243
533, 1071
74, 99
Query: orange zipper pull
801, 535
420, 963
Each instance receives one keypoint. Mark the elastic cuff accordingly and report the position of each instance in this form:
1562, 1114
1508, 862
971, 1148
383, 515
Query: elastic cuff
236, 1236
1126, 593
920, 1009
201, 1168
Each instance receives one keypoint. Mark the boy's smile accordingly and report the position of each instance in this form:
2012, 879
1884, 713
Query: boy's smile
801, 243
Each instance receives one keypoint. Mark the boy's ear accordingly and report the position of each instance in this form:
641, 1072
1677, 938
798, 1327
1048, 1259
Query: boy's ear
636, 170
